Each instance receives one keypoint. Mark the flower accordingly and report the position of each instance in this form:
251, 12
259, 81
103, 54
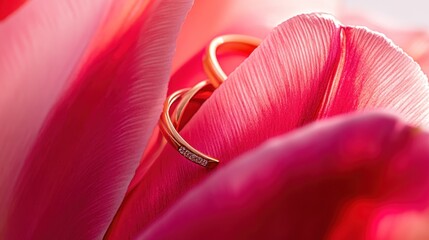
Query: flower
86, 81
361, 70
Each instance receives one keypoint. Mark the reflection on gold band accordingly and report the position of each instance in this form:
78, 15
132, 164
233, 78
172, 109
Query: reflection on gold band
171, 124
233, 42
170, 132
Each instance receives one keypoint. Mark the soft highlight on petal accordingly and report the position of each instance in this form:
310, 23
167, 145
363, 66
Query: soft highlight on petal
238, 17
414, 41
404, 225
378, 75
41, 46
122, 14
77, 173
298, 186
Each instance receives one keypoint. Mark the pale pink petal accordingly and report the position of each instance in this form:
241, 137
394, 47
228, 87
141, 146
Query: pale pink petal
299, 186
414, 41
209, 18
280, 87
41, 45
378, 75
73, 178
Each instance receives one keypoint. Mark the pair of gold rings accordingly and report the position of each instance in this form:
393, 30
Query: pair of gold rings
171, 124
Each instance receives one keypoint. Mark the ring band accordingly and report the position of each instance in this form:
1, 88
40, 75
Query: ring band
196, 95
171, 125
173, 136
231, 42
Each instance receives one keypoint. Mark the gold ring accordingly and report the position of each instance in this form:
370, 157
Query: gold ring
171, 125
230, 42
191, 100
173, 136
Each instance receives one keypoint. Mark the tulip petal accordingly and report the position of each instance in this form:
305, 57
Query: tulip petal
377, 74
301, 185
41, 45
293, 78
414, 41
122, 14
77, 172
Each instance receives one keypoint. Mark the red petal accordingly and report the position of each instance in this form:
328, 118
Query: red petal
76, 175
303, 185
8, 7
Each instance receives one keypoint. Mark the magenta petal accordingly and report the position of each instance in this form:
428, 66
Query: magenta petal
299, 185
76, 175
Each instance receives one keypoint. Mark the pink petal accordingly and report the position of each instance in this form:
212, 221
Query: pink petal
378, 75
283, 85
72, 180
253, 17
414, 41
301, 185
122, 14
41, 45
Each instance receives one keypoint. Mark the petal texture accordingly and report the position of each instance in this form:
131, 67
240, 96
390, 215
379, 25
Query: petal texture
334, 179
310, 67
377, 74
41, 45
413, 40
76, 174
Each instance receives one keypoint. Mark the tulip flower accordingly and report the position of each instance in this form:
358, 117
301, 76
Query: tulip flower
303, 154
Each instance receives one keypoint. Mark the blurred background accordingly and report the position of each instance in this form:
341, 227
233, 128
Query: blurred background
401, 13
